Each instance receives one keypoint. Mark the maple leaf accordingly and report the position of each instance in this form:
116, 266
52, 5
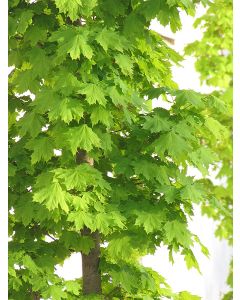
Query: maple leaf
193, 192
72, 8
150, 221
72, 41
219, 131
72, 178
202, 158
150, 170
24, 21
187, 296
39, 61
99, 114
82, 202
26, 212
190, 260
157, 123
109, 39
31, 123
56, 292
170, 193
128, 280
42, 149
82, 137
178, 231
125, 64
35, 34
189, 97
80, 219
175, 145
116, 96
94, 93
68, 109
119, 247
30, 264
73, 287
53, 196
81, 176
79, 45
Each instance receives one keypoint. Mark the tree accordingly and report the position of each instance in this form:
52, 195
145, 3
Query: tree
91, 164
214, 63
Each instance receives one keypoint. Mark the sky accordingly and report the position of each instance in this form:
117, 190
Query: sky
211, 284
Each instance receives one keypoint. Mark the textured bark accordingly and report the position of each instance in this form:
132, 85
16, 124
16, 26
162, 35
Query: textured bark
90, 262
90, 265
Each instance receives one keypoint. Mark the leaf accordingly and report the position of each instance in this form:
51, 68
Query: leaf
125, 64
31, 123
193, 192
116, 96
73, 41
190, 260
157, 123
202, 158
42, 149
220, 132
189, 97
68, 109
80, 219
186, 3
72, 287
178, 231
30, 264
127, 280
94, 94
170, 193
82, 137
150, 220
24, 20
150, 171
119, 248
109, 39
99, 114
72, 8
53, 196
79, 45
39, 61
57, 292
25, 212
187, 296
176, 146
80, 177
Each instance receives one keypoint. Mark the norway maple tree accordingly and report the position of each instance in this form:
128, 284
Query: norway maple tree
92, 166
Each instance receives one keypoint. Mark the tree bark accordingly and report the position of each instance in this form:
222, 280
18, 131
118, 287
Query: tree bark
90, 262
90, 265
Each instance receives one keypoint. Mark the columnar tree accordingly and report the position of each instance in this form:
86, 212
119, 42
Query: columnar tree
92, 165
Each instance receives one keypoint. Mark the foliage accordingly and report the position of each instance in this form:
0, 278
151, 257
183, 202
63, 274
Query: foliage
94, 68
214, 63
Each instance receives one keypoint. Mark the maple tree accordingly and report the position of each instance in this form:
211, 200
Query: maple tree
92, 166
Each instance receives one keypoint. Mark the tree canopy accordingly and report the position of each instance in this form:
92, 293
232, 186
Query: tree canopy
214, 62
92, 166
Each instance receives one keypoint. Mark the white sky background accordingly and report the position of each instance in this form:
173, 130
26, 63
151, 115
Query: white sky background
212, 283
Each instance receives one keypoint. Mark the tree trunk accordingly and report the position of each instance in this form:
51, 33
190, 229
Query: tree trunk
36, 296
90, 262
90, 265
